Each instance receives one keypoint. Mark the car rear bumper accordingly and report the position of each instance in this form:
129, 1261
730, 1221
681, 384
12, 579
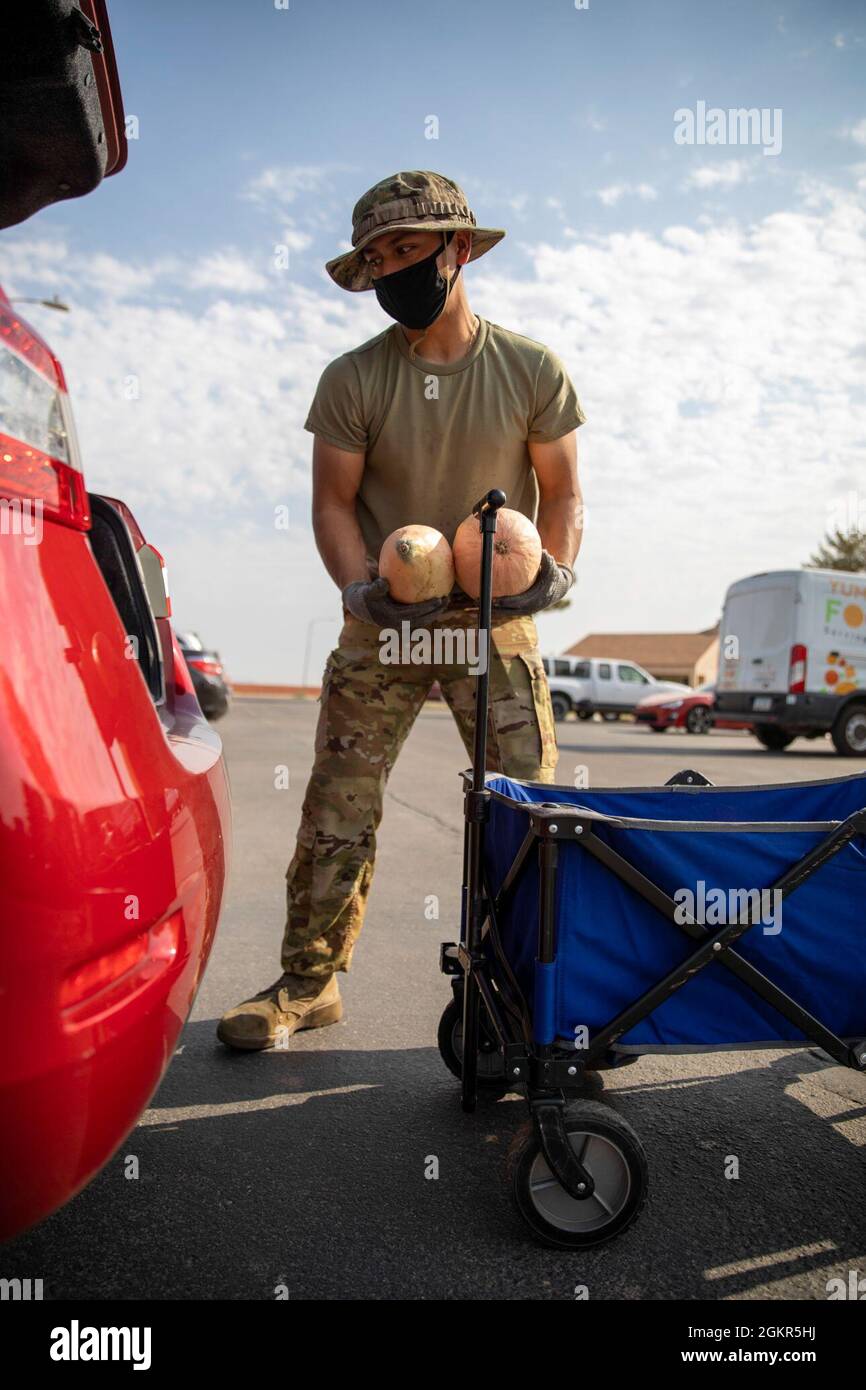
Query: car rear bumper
791, 712
62, 1120
74, 1079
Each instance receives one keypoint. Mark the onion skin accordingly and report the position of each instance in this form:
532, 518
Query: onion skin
417, 563
516, 554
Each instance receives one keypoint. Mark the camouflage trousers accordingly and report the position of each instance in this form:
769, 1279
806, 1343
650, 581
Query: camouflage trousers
367, 708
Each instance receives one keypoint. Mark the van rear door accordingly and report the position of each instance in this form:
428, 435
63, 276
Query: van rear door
834, 631
757, 633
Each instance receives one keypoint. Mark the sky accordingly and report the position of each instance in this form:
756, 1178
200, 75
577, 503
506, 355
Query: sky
708, 299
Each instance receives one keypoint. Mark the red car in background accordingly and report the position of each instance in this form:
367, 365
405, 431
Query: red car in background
114, 806
691, 712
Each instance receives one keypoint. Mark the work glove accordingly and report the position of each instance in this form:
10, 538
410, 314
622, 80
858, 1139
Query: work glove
372, 603
551, 584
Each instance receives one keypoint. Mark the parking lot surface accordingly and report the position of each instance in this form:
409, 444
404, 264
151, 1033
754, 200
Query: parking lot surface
306, 1168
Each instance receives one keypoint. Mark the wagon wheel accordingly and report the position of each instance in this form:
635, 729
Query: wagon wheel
610, 1150
491, 1063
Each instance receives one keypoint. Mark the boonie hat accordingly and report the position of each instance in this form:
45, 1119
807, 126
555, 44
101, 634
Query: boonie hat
417, 200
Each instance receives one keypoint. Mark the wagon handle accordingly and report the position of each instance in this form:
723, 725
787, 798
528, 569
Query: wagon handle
490, 502
476, 803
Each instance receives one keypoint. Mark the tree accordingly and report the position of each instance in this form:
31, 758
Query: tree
841, 550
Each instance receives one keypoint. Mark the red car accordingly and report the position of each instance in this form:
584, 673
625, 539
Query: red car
690, 712
114, 808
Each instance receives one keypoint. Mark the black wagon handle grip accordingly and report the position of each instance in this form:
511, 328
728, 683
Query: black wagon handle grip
490, 502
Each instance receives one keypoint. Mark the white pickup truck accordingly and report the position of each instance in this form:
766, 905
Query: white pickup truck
603, 685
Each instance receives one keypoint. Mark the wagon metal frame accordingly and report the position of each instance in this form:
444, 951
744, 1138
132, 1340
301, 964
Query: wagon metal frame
496, 1016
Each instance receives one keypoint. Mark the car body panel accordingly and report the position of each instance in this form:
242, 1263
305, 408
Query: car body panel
671, 711
114, 853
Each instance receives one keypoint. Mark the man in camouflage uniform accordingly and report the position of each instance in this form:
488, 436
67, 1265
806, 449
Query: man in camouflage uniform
402, 438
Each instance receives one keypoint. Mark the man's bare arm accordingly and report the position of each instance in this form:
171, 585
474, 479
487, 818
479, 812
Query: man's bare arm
336, 479
560, 525
560, 506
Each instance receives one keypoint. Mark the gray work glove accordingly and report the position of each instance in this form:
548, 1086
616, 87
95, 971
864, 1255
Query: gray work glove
372, 603
552, 583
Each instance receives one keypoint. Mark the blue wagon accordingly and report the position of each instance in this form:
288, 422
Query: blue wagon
601, 925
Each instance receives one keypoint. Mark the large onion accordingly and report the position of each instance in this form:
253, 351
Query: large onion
417, 563
516, 554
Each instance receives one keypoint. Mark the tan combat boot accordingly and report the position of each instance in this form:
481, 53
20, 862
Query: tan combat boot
270, 1018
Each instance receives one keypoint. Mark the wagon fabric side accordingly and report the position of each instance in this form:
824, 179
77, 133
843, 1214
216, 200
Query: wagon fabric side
705, 846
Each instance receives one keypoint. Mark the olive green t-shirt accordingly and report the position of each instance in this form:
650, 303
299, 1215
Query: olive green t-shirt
438, 436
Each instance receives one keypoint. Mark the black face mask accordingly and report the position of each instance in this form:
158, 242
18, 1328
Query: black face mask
415, 296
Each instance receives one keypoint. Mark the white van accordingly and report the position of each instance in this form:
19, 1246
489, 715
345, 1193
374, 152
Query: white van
792, 657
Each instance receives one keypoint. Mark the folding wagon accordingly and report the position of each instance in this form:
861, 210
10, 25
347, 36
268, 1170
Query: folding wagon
585, 913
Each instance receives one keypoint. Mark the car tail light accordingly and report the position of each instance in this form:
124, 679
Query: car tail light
201, 663
39, 463
797, 670
108, 980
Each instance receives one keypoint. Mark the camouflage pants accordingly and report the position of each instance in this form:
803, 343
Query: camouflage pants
367, 710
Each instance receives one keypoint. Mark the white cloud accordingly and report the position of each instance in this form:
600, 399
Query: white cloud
856, 132
294, 239
285, 183
719, 364
725, 174
839, 41
719, 371
614, 192
54, 264
227, 270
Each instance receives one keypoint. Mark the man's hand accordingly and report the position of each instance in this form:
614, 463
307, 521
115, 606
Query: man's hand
551, 584
372, 603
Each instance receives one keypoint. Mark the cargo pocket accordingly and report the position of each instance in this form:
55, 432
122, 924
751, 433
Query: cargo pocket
548, 751
335, 661
321, 723
522, 719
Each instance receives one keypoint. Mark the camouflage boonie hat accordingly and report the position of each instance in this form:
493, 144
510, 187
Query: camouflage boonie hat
418, 199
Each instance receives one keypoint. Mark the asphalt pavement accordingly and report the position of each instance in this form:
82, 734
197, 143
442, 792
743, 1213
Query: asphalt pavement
306, 1169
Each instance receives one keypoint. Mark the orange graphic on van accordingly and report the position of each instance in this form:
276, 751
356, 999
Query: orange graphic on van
841, 677
852, 614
